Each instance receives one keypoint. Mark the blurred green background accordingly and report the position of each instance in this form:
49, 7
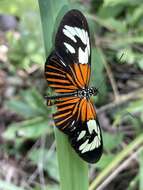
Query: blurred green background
27, 146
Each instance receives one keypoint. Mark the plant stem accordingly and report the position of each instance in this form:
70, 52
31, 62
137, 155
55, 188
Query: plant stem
73, 171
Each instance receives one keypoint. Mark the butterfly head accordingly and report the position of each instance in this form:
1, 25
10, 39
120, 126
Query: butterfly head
93, 91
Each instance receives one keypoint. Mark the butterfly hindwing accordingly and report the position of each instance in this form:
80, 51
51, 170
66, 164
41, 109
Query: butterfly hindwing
77, 118
87, 140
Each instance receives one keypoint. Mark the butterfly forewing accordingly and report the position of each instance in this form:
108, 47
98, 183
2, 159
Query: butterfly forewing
67, 70
72, 38
56, 74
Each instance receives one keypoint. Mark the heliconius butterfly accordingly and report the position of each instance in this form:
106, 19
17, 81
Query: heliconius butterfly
67, 71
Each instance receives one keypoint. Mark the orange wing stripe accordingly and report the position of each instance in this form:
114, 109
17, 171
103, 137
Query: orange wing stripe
84, 110
66, 108
62, 115
90, 113
85, 71
75, 108
63, 90
79, 74
80, 108
88, 75
93, 109
62, 121
62, 86
59, 80
55, 68
71, 79
54, 74
75, 77
71, 101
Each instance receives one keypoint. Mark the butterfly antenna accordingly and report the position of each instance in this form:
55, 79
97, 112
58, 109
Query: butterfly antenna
99, 86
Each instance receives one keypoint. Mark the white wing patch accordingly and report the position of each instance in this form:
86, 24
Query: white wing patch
81, 135
83, 55
87, 42
92, 126
85, 147
63, 63
71, 32
69, 47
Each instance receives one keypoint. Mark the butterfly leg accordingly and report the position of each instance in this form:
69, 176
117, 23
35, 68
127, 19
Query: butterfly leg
50, 101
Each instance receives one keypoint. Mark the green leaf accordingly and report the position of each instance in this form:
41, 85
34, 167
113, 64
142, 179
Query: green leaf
125, 41
112, 141
116, 25
135, 106
48, 160
21, 108
111, 24
9, 186
140, 63
136, 15
105, 161
29, 104
52, 187
54, 7
141, 170
35, 100
73, 170
110, 11
32, 128
128, 55
97, 77
131, 109
124, 2
17, 7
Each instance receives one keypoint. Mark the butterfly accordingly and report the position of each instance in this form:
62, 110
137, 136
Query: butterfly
67, 71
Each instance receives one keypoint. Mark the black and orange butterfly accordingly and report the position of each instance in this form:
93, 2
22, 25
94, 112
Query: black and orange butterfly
67, 71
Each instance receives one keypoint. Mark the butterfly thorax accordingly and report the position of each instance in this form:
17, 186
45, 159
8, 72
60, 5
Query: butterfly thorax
87, 92
81, 93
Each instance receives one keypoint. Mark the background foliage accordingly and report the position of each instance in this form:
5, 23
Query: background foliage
26, 125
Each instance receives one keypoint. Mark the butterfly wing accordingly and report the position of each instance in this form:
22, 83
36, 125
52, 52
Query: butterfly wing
77, 118
73, 44
72, 39
67, 70
65, 77
72, 52
87, 140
